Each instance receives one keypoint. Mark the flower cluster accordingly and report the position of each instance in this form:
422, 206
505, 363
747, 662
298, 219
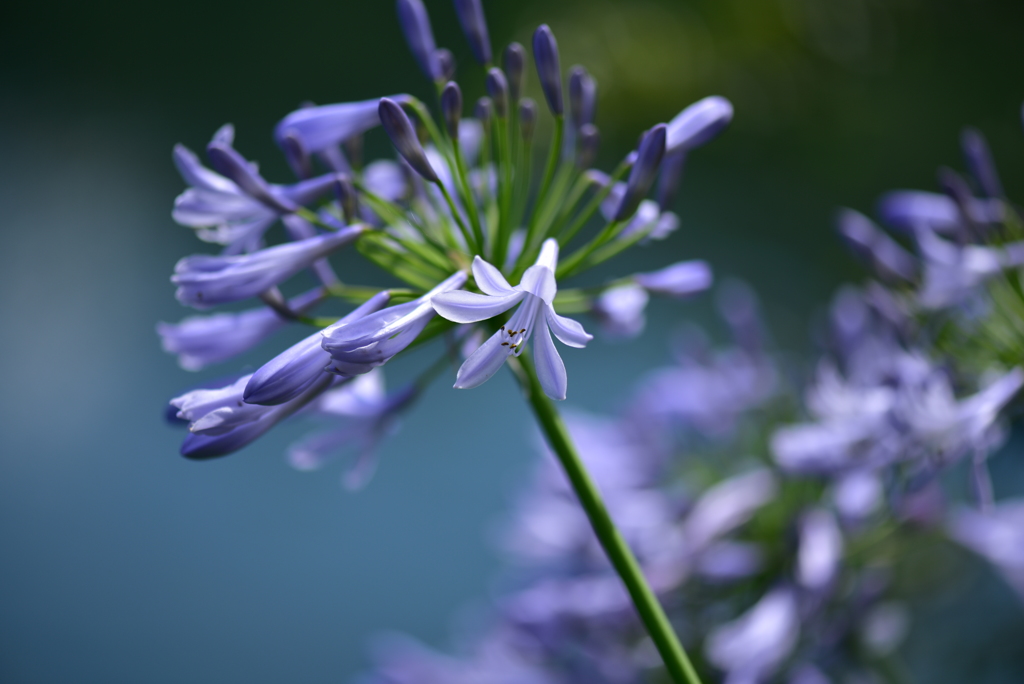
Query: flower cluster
772, 528
458, 217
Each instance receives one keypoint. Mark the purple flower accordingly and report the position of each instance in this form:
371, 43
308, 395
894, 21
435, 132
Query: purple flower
535, 294
621, 310
471, 17
324, 127
289, 373
203, 340
753, 646
997, 536
204, 280
880, 251
374, 340
820, 550
699, 123
545, 56
220, 422
914, 209
412, 15
224, 212
370, 415
678, 280
952, 273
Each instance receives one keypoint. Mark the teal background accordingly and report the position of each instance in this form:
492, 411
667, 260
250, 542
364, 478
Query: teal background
122, 562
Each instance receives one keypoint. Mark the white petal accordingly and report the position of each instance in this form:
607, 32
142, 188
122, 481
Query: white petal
489, 279
567, 330
468, 307
483, 363
550, 369
548, 256
540, 280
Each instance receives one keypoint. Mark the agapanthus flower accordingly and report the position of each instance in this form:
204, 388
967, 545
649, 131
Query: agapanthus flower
200, 341
535, 295
204, 281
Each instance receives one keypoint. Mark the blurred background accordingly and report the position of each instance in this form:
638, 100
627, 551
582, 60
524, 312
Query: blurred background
122, 562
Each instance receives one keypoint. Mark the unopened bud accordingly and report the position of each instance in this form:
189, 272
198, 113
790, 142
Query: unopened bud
403, 135
645, 168
515, 69
497, 88
451, 108
471, 17
528, 118
545, 54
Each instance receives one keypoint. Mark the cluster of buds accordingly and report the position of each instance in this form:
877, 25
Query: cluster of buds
458, 217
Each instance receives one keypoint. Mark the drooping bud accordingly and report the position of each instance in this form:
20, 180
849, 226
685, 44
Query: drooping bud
641, 177
979, 162
699, 123
545, 54
582, 97
483, 112
295, 153
497, 88
515, 68
346, 194
403, 135
447, 62
451, 108
471, 17
528, 118
230, 163
412, 15
589, 140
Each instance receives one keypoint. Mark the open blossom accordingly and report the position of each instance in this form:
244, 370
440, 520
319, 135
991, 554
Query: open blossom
227, 213
535, 295
205, 280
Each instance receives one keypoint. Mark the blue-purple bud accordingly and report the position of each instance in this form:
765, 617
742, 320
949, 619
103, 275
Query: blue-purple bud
586, 150
403, 135
527, 118
447, 62
483, 112
471, 17
954, 185
451, 108
699, 123
497, 88
545, 54
515, 68
979, 162
582, 97
345, 191
412, 15
645, 168
230, 163
297, 156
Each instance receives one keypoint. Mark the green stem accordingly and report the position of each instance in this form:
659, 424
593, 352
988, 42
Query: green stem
651, 613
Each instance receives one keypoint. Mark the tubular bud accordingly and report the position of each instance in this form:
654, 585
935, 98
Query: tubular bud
412, 15
497, 88
528, 118
545, 54
403, 135
471, 17
515, 68
641, 177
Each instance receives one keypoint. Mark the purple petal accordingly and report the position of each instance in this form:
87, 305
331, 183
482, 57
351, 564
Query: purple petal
483, 363
468, 307
567, 330
550, 369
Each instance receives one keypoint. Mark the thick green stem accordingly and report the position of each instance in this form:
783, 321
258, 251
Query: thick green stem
651, 613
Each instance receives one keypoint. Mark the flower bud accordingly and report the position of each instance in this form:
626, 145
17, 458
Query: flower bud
497, 88
403, 135
671, 175
296, 155
230, 163
451, 108
545, 54
515, 68
412, 15
528, 118
446, 60
471, 17
586, 152
582, 97
699, 123
483, 112
649, 155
